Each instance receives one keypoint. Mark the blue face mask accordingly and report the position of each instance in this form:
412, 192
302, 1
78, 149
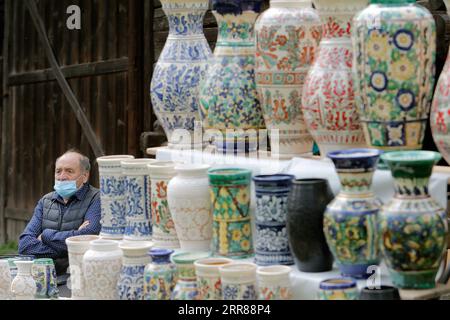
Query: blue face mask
66, 189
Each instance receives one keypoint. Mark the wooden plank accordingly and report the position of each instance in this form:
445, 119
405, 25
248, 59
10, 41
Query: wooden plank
68, 93
149, 53
19, 214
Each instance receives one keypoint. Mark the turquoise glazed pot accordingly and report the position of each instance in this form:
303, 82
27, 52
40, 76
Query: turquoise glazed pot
350, 220
228, 98
413, 226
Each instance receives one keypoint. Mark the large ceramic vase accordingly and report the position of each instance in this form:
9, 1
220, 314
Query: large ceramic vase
350, 221
23, 286
287, 39
394, 72
239, 281
44, 274
160, 275
208, 277
186, 286
306, 206
228, 98
328, 100
189, 204
230, 203
77, 247
413, 226
138, 210
272, 244
181, 67
112, 196
131, 280
440, 109
5, 280
163, 227
274, 283
101, 267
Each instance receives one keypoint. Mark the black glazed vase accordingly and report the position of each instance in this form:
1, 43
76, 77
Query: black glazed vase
306, 206
382, 293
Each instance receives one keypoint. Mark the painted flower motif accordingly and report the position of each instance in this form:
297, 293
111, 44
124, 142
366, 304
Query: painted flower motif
246, 230
378, 45
281, 40
381, 108
161, 189
236, 235
378, 81
284, 64
376, 135
403, 69
242, 196
404, 39
405, 99
396, 135
245, 245
230, 292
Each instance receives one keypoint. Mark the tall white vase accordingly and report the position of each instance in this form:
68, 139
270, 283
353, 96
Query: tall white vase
189, 203
23, 286
112, 196
5, 280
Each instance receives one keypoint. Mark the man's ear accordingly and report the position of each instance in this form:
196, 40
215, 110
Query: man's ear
86, 177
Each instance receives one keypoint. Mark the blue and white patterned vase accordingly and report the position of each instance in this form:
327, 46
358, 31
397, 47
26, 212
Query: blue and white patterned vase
160, 275
112, 196
138, 210
180, 69
351, 219
239, 281
272, 243
228, 99
131, 280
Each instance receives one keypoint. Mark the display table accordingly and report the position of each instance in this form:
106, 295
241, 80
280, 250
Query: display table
305, 285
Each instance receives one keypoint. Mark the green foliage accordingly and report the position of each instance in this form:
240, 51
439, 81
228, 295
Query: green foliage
9, 248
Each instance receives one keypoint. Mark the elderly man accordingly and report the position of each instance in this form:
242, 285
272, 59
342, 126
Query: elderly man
73, 209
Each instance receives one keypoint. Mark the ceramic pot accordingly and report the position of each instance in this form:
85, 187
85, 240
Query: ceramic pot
350, 221
440, 113
44, 274
328, 104
101, 267
181, 67
382, 293
160, 275
272, 244
394, 72
23, 286
413, 226
186, 286
5, 280
287, 39
189, 203
230, 202
238, 281
164, 232
306, 206
112, 196
138, 210
131, 280
228, 97
77, 247
208, 277
274, 283
338, 289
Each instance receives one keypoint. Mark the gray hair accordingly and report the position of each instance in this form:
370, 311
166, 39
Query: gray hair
85, 163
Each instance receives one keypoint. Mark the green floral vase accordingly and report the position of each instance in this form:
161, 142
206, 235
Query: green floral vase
230, 201
394, 45
413, 226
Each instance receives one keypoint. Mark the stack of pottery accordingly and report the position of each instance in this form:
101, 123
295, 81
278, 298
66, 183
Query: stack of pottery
23, 286
181, 68
189, 204
44, 274
394, 72
338, 289
274, 283
131, 280
287, 39
228, 98
440, 110
306, 206
272, 244
186, 286
159, 276
230, 202
238, 281
413, 226
164, 233
350, 222
77, 247
101, 268
112, 196
328, 98
5, 280
138, 210
208, 277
